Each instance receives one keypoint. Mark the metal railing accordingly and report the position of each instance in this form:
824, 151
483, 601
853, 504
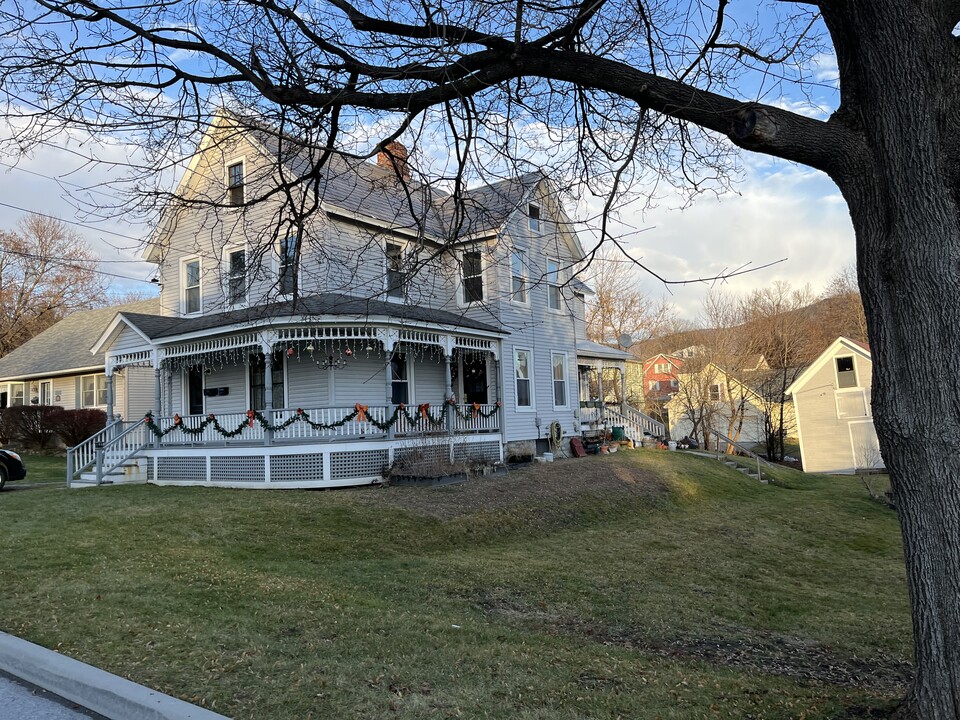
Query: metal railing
741, 449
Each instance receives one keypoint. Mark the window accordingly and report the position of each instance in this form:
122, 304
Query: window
191, 286
400, 391
559, 380
93, 391
16, 394
237, 277
471, 270
653, 385
524, 378
715, 393
553, 284
533, 217
287, 275
395, 274
518, 274
258, 381
846, 373
235, 183
662, 368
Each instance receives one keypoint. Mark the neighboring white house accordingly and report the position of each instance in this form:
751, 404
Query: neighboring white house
834, 414
402, 326
56, 367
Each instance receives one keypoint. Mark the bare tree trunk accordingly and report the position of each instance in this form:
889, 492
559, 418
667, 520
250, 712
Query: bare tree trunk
903, 201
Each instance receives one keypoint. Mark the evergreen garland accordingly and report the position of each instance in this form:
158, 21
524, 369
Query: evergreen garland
301, 415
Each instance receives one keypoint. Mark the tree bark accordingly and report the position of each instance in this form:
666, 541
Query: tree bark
903, 200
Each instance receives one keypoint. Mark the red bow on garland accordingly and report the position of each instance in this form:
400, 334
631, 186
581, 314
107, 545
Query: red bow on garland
361, 412
424, 409
250, 416
476, 410
177, 419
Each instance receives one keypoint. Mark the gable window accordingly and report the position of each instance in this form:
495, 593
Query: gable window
471, 270
523, 371
715, 393
235, 183
237, 277
93, 391
191, 286
287, 275
518, 276
533, 217
553, 284
846, 373
559, 380
395, 275
400, 388
662, 368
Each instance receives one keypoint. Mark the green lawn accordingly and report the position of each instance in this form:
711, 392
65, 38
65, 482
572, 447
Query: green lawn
644, 584
44, 469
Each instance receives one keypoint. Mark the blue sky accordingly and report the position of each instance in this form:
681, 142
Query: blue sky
778, 211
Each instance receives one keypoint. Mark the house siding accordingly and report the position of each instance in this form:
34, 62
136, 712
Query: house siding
826, 438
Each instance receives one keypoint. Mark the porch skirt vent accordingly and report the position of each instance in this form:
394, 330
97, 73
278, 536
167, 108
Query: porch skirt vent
422, 455
177, 469
358, 464
237, 469
294, 468
476, 452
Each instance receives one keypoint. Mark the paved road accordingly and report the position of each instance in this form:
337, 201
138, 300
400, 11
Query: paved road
19, 701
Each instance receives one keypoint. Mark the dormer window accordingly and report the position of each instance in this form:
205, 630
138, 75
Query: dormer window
235, 180
533, 217
846, 373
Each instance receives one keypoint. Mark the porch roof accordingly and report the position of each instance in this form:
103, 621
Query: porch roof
590, 349
351, 309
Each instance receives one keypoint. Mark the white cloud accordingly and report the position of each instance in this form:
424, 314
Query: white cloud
825, 68
791, 213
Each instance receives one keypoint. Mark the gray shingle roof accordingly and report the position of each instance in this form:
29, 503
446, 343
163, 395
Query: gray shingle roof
158, 328
65, 346
366, 188
590, 349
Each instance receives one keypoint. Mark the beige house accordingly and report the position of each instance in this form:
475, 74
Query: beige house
714, 400
57, 368
834, 415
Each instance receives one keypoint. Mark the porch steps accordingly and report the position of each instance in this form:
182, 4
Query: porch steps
132, 472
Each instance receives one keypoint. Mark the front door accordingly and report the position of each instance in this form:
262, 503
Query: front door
475, 386
46, 393
195, 390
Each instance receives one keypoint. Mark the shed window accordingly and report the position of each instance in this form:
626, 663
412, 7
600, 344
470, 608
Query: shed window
846, 373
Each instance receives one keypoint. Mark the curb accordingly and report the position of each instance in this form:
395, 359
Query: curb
109, 695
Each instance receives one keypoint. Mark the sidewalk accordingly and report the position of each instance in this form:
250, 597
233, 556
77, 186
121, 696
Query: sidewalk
92, 689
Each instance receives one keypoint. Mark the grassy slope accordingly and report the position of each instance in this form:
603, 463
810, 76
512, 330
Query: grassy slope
722, 598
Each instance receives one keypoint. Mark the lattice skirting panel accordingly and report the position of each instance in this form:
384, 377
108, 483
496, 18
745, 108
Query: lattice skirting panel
305, 466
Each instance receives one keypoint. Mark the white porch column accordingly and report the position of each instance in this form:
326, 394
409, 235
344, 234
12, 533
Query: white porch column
448, 379
389, 343
600, 391
157, 386
109, 373
623, 386
267, 346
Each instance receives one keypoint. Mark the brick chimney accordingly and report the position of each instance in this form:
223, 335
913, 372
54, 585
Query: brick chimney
394, 157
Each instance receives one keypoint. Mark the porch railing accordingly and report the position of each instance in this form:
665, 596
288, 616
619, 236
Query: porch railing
464, 422
630, 418
107, 450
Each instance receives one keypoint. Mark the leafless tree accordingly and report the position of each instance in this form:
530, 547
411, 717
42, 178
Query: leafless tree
619, 306
619, 94
46, 272
844, 311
